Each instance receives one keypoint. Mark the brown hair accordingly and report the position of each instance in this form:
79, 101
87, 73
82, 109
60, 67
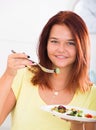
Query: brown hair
79, 75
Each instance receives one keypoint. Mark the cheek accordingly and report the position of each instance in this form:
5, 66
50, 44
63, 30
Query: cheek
73, 53
50, 49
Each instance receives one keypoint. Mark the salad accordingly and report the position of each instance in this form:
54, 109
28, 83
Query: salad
72, 111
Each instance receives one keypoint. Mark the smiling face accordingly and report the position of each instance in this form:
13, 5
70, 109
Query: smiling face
61, 47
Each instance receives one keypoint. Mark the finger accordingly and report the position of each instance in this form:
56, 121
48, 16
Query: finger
19, 55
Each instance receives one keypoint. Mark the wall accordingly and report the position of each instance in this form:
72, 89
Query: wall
93, 58
21, 22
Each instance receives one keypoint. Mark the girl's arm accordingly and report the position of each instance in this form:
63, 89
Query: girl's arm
7, 99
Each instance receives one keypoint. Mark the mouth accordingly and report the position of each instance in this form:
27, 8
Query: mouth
61, 57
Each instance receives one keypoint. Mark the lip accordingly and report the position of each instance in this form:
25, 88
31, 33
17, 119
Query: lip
61, 57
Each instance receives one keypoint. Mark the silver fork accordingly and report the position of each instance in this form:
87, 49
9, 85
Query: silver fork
57, 70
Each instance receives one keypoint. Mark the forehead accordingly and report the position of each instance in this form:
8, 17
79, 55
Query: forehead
60, 31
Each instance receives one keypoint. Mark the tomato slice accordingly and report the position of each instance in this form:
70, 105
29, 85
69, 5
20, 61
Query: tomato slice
88, 116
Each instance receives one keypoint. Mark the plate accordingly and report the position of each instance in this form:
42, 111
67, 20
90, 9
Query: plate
86, 116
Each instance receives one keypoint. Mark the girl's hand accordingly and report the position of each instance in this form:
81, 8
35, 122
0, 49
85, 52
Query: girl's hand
17, 61
77, 125
83, 125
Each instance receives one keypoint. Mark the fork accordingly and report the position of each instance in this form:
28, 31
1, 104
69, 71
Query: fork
56, 70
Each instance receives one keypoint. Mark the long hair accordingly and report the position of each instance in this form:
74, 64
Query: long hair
79, 76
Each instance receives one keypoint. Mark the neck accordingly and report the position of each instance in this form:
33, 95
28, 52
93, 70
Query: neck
59, 81
58, 85
58, 91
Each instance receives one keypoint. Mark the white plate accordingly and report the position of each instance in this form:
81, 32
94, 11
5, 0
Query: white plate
48, 108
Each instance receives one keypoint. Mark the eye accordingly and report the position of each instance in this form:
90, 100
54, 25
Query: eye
71, 43
54, 41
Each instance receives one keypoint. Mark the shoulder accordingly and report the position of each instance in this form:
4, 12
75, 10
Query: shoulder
25, 72
92, 97
91, 93
93, 89
88, 98
22, 76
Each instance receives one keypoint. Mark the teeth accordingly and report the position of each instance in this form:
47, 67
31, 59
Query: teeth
60, 57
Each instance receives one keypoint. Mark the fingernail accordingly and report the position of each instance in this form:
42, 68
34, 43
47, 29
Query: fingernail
28, 56
32, 61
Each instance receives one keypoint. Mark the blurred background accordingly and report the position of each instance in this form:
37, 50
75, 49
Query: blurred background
21, 22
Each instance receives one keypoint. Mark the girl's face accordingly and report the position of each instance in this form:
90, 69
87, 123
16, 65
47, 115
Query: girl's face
61, 47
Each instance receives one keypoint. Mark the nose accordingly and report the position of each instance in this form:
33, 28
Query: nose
62, 47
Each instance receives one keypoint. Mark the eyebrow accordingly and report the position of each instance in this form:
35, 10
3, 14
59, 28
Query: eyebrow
53, 38
71, 40
66, 39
